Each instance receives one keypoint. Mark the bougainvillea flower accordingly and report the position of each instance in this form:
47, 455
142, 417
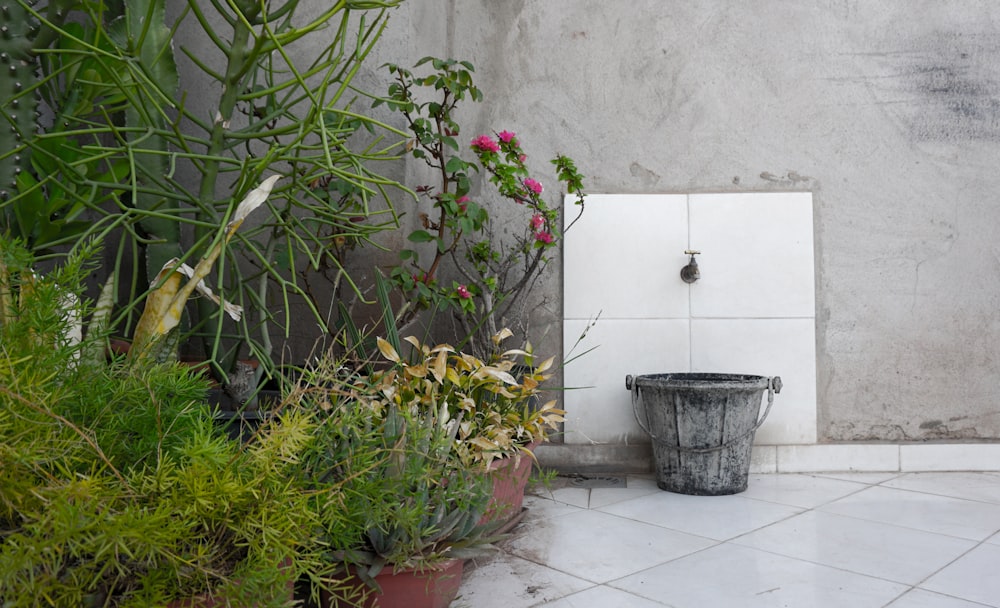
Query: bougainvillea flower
463, 292
537, 221
533, 185
485, 143
505, 136
543, 237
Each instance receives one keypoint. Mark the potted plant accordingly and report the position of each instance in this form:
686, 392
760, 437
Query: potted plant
407, 512
495, 414
132, 150
117, 488
475, 253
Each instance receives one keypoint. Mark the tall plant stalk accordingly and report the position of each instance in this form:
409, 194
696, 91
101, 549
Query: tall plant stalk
126, 149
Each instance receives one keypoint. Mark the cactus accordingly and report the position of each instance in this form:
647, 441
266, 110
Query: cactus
18, 72
23, 37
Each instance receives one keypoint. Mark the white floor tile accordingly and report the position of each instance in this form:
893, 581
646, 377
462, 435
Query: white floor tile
807, 491
716, 517
972, 486
866, 478
863, 538
884, 551
972, 577
507, 581
929, 512
578, 497
918, 598
641, 481
540, 508
599, 547
602, 497
728, 575
603, 597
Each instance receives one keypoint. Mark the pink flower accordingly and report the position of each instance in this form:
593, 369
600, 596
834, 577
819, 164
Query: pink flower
537, 221
485, 143
461, 201
505, 136
543, 237
463, 292
533, 185
522, 158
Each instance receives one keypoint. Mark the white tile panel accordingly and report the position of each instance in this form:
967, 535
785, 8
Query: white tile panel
599, 408
756, 255
766, 347
623, 258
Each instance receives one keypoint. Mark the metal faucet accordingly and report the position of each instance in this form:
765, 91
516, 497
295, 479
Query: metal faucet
690, 273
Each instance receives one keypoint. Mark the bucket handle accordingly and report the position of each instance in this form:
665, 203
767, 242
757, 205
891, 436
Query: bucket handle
773, 386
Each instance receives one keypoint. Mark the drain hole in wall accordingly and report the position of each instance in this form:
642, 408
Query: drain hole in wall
584, 481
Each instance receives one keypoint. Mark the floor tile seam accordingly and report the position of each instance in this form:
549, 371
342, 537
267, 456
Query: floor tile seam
611, 583
822, 565
902, 527
631, 520
982, 501
553, 568
813, 507
948, 565
608, 585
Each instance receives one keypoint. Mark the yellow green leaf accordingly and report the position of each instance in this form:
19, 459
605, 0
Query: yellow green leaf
387, 350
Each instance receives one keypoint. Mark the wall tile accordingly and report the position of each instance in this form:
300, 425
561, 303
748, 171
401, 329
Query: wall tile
624, 256
837, 457
601, 410
767, 347
757, 255
949, 457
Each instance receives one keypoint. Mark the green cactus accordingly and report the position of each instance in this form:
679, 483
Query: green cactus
22, 36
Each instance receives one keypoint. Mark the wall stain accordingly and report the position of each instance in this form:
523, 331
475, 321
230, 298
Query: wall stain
950, 84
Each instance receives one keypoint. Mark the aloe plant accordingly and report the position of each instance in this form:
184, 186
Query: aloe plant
122, 147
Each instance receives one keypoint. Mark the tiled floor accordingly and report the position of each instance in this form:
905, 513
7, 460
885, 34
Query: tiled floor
912, 540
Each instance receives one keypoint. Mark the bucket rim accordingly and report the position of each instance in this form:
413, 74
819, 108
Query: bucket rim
701, 380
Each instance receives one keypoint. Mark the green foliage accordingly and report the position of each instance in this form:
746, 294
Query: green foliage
495, 267
491, 413
403, 499
115, 487
129, 151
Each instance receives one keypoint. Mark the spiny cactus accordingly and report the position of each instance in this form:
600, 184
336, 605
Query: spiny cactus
18, 72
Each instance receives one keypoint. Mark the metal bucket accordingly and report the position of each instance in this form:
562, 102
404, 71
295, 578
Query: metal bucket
702, 427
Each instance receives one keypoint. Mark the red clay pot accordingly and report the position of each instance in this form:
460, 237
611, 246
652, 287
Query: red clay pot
406, 588
510, 477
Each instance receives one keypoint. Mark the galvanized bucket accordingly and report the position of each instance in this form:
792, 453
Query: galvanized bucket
702, 427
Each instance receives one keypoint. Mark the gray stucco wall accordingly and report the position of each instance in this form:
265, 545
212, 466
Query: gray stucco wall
887, 111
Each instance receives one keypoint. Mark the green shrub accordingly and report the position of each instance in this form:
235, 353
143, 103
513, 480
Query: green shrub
115, 487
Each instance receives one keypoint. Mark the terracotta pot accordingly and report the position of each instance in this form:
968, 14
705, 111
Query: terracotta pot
404, 589
510, 477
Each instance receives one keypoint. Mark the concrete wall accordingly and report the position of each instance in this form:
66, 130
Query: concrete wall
886, 111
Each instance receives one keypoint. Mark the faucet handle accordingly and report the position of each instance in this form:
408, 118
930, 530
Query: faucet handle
691, 252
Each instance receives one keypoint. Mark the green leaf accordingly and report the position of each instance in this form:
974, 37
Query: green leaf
420, 236
454, 164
